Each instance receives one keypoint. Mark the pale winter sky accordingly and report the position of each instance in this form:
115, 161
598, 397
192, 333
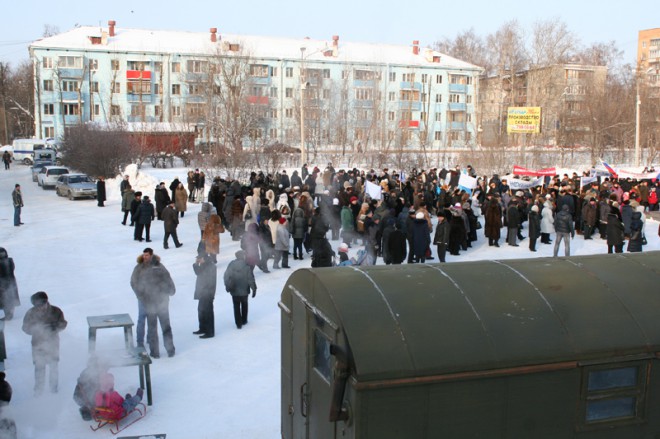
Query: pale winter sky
365, 21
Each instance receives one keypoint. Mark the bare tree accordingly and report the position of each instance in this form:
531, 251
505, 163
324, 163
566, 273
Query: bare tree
466, 46
551, 43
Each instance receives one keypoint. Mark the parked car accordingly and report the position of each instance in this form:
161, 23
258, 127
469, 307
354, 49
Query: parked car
48, 175
75, 186
38, 165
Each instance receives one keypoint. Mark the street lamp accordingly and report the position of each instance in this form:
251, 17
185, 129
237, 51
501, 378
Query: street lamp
302, 106
638, 102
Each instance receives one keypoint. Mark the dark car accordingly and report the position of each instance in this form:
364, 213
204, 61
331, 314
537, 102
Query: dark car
75, 186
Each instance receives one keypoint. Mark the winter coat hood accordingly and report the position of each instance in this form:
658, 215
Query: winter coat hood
155, 259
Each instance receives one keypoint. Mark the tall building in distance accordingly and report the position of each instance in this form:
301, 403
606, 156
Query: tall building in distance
255, 91
648, 55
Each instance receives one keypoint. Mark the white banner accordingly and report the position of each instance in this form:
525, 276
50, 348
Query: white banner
373, 190
517, 184
467, 182
587, 180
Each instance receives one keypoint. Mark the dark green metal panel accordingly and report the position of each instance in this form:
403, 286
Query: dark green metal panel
420, 320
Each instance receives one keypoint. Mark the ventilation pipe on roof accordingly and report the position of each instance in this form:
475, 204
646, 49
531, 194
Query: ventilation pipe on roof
111, 28
214, 37
335, 45
415, 47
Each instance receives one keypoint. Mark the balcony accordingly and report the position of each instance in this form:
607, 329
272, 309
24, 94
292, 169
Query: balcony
144, 98
364, 104
458, 88
195, 77
457, 126
145, 119
406, 85
409, 124
143, 75
259, 100
457, 106
364, 83
410, 105
259, 80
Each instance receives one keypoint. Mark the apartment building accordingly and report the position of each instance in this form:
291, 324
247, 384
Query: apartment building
347, 95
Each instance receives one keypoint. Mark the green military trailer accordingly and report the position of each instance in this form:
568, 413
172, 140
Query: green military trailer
536, 348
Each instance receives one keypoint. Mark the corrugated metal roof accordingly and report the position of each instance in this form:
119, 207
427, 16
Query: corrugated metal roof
191, 43
420, 320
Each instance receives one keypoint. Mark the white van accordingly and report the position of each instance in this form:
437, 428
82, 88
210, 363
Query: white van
23, 149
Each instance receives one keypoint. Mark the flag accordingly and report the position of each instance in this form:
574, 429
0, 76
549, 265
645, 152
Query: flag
373, 190
467, 183
610, 169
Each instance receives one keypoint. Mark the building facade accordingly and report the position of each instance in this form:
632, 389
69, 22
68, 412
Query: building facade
562, 91
648, 55
251, 91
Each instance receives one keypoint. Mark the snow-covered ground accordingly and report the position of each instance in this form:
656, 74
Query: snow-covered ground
81, 255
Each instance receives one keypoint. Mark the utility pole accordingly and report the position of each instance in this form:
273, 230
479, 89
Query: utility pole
302, 106
638, 102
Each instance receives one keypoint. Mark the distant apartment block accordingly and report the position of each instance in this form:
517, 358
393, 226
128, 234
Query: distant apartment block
352, 95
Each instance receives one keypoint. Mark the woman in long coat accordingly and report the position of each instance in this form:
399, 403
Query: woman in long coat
181, 199
493, 218
211, 236
8, 288
547, 222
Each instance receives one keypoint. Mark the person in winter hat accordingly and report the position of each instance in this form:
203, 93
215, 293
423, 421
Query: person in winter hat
282, 245
8, 288
117, 406
44, 322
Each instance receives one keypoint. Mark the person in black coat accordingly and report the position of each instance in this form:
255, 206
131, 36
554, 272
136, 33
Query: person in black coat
8, 288
144, 214
513, 222
162, 198
134, 206
205, 286
456, 232
175, 184
441, 237
534, 227
44, 322
239, 280
322, 253
420, 238
396, 244
615, 230
100, 191
636, 224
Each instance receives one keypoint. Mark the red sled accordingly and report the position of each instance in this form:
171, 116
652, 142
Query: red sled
104, 416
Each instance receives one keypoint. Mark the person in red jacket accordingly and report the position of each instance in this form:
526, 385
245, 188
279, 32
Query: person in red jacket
108, 398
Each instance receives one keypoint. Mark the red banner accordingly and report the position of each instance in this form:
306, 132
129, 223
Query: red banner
518, 170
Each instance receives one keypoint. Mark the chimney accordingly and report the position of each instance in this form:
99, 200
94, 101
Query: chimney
111, 28
214, 37
335, 45
415, 47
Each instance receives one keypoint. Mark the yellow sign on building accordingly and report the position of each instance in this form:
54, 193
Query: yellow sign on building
523, 120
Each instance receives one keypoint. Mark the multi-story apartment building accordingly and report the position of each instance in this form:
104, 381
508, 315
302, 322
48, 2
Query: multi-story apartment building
562, 91
344, 95
648, 55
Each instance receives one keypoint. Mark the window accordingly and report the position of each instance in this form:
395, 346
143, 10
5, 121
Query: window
93, 64
364, 75
437, 135
408, 77
326, 93
454, 98
136, 65
438, 98
363, 94
274, 71
438, 117
157, 110
70, 62
455, 135
195, 89
176, 67
288, 113
422, 116
49, 132
49, 109
468, 117
425, 77
195, 109
272, 133
158, 66
468, 136
176, 89
138, 87
114, 64
391, 96
326, 73
273, 113
288, 92
468, 99
47, 62
259, 70
48, 85
438, 79
424, 97
116, 87
391, 76
469, 80
391, 115
176, 111
289, 72
158, 89
194, 66
70, 109
613, 394
69, 85
94, 87
410, 95
137, 110
273, 92
115, 110
97, 110
345, 74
